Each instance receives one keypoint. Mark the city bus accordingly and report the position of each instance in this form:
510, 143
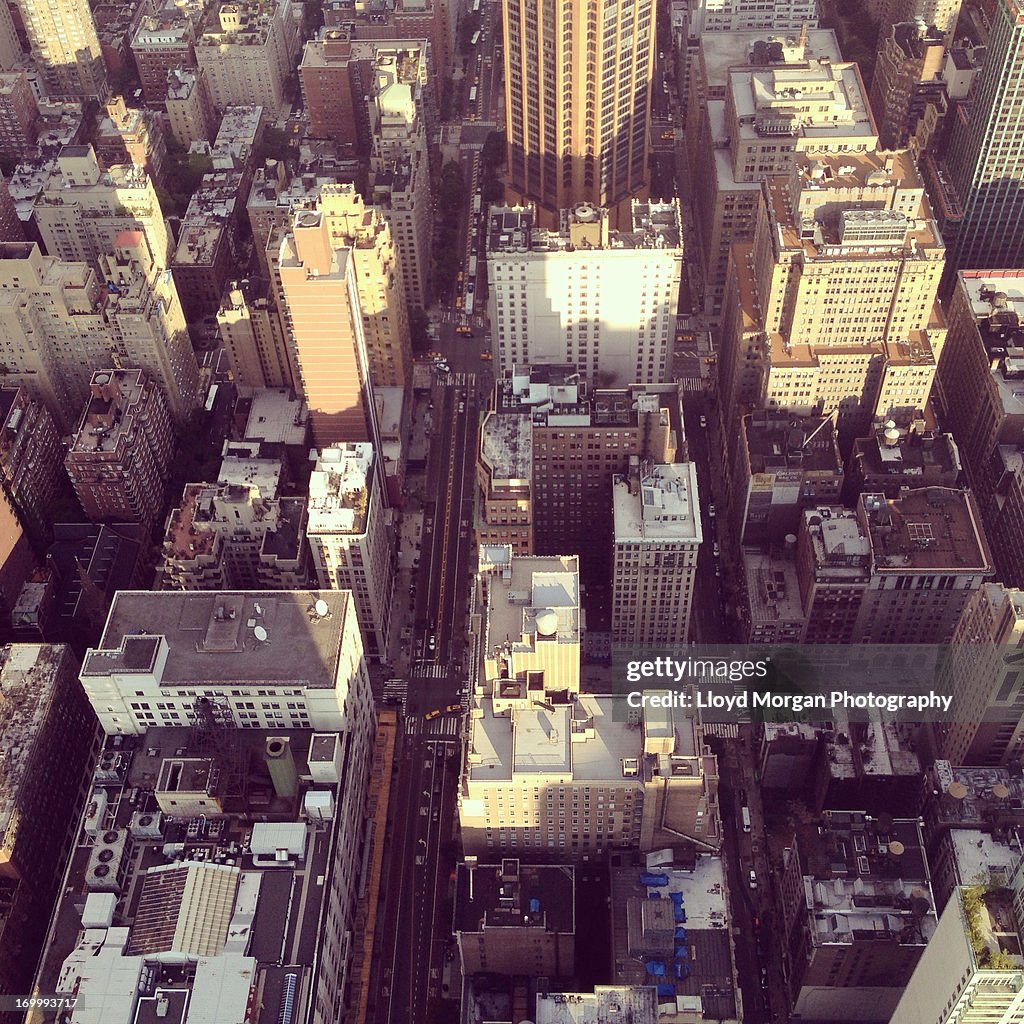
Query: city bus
475, 38
472, 94
746, 819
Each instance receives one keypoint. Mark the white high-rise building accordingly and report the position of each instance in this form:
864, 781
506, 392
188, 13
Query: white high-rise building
657, 537
972, 971
603, 301
350, 539
259, 659
83, 209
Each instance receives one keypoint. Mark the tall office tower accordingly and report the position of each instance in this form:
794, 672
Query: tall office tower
340, 257
833, 565
985, 724
549, 446
247, 52
146, 323
942, 14
11, 53
176, 648
832, 309
320, 307
928, 556
379, 283
209, 247
253, 338
237, 533
11, 227
604, 301
60, 325
533, 732
578, 103
856, 918
31, 458
19, 112
656, 537
908, 76
979, 387
83, 209
784, 464
752, 118
65, 48
121, 454
350, 538
985, 155
164, 40
504, 477
51, 738
130, 135
190, 114
400, 173
328, 87
971, 971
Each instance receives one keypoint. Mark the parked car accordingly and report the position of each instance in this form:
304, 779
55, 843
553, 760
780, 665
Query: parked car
753, 879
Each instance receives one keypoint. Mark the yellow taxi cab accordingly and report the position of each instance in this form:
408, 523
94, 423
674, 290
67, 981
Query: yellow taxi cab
486, 355
432, 714
454, 707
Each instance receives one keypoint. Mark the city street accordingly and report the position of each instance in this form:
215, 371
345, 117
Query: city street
410, 960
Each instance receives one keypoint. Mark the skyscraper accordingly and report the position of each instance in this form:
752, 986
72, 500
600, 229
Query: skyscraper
577, 101
986, 154
65, 46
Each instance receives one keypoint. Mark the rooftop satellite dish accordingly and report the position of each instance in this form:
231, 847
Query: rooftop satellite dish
896, 848
957, 790
1000, 792
321, 607
260, 633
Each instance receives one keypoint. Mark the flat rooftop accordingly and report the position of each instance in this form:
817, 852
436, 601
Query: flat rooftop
514, 895
979, 853
928, 528
782, 441
837, 539
540, 740
506, 445
721, 51
513, 229
977, 796
607, 1004
662, 507
895, 452
815, 101
118, 397
339, 489
772, 589
531, 585
189, 885
996, 300
707, 988
866, 877
276, 416
209, 637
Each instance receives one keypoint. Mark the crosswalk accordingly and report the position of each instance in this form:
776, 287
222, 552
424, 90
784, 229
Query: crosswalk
448, 725
691, 383
429, 670
458, 379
